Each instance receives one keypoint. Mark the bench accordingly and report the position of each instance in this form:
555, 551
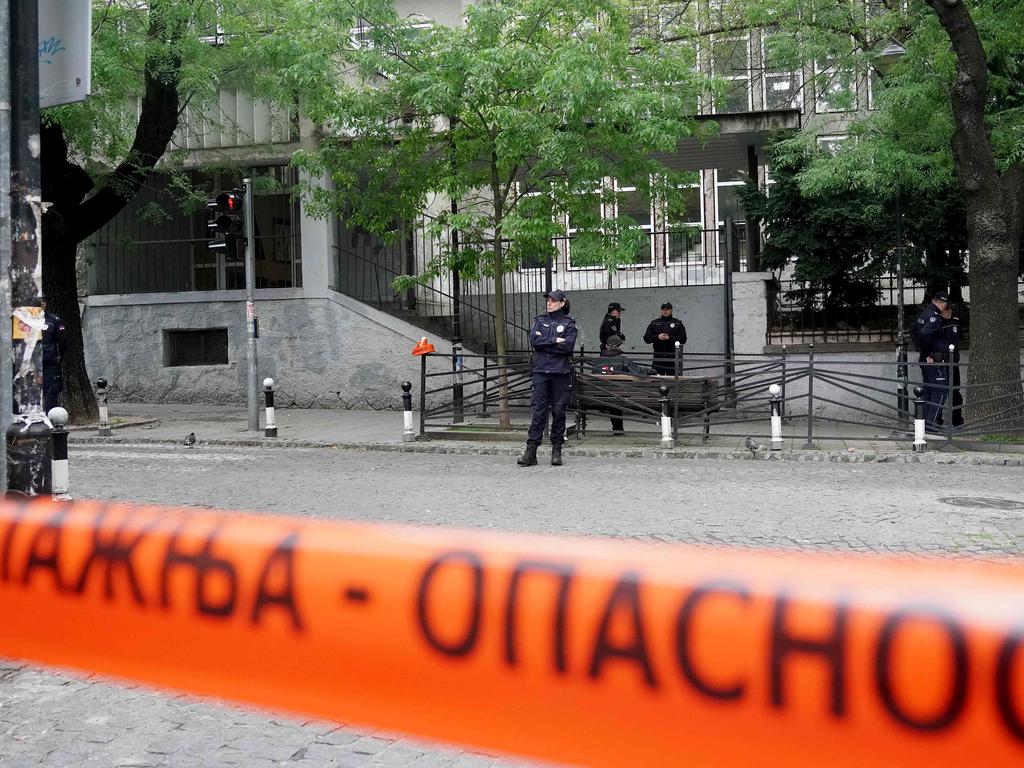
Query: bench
639, 396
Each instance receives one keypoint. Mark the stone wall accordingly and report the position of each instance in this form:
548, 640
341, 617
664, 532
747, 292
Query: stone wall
325, 351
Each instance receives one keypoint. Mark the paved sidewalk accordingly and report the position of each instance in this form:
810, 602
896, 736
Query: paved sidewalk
382, 431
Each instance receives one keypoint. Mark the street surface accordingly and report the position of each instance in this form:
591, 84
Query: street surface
49, 719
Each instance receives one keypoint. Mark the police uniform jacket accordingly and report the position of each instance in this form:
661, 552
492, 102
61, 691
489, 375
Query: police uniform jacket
54, 342
676, 332
611, 326
930, 339
549, 355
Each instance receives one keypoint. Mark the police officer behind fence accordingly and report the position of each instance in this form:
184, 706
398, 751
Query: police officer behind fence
54, 345
662, 334
932, 348
951, 337
612, 324
613, 361
553, 337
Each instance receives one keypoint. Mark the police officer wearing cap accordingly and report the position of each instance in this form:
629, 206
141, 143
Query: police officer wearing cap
611, 325
662, 334
932, 348
54, 345
553, 337
951, 338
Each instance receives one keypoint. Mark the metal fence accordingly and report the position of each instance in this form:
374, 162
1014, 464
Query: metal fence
719, 396
865, 310
367, 267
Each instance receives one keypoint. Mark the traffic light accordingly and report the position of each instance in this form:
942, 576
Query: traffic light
227, 227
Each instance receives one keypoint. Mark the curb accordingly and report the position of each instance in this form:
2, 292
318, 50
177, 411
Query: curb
815, 457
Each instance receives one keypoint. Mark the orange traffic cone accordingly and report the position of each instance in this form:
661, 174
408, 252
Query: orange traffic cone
423, 347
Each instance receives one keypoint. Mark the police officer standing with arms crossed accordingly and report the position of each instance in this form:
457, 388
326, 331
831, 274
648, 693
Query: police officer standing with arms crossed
932, 348
662, 334
553, 337
612, 325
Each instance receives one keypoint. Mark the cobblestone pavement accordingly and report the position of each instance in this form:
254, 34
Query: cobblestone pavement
49, 719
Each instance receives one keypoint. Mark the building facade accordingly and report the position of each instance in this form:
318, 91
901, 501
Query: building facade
164, 317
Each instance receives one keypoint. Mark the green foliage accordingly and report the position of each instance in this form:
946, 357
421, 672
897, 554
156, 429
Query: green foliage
839, 237
521, 116
200, 47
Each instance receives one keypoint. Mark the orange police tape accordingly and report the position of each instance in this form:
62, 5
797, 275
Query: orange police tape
592, 652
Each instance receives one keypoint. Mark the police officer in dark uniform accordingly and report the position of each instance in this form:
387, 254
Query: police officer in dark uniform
613, 361
662, 334
611, 325
932, 348
54, 345
553, 337
951, 337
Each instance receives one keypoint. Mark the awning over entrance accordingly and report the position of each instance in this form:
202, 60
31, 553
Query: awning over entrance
731, 147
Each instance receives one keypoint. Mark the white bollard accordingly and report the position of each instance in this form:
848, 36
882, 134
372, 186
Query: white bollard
920, 443
270, 430
408, 435
101, 396
775, 397
60, 476
666, 420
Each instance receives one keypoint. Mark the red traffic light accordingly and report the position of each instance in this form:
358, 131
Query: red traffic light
230, 202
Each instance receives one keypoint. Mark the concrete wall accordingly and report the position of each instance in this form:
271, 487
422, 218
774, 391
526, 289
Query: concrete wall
749, 312
700, 307
324, 350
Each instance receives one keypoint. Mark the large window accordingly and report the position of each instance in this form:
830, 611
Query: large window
159, 242
728, 183
634, 208
731, 60
835, 87
783, 76
684, 225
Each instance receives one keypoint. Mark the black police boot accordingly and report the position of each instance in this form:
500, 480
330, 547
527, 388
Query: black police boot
556, 455
529, 457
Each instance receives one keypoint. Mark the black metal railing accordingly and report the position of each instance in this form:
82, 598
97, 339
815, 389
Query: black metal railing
822, 398
860, 310
367, 267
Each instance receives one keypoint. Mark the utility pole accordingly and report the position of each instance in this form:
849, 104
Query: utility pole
6, 398
28, 440
251, 321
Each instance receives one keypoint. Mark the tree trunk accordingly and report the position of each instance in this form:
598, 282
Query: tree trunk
60, 285
994, 396
77, 210
500, 335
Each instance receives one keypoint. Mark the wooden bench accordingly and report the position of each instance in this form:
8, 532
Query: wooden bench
638, 397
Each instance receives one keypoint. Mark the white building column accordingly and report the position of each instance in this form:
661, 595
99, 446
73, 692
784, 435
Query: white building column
317, 246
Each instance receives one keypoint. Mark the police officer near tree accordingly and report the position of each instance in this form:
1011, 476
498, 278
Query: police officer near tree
951, 338
553, 337
54, 344
932, 349
611, 325
662, 334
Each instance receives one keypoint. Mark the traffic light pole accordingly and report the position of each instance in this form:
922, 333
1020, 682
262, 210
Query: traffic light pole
251, 327
28, 440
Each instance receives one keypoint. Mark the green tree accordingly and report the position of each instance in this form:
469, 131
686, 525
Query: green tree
838, 237
520, 117
948, 113
151, 60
